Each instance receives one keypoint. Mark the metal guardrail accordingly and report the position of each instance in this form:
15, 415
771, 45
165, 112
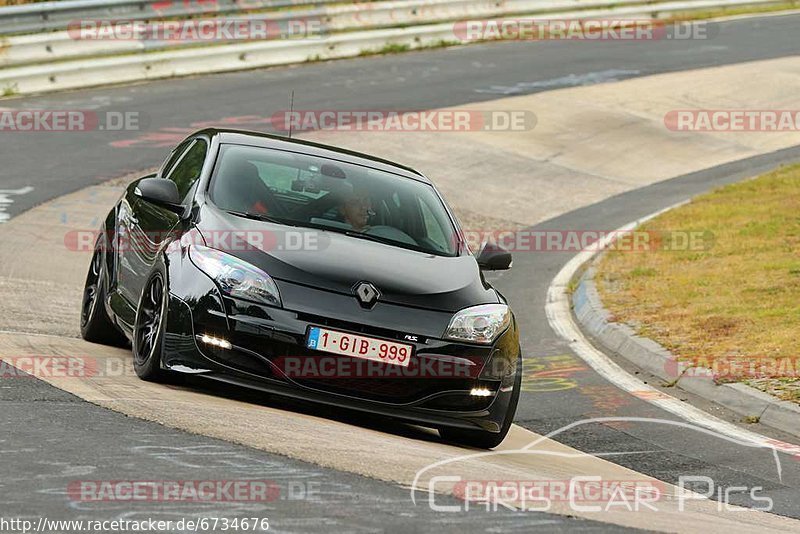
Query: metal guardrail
59, 46
47, 16
76, 73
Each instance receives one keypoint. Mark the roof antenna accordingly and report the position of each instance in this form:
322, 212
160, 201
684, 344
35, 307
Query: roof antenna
291, 113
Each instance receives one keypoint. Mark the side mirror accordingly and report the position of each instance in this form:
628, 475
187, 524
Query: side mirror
493, 257
161, 192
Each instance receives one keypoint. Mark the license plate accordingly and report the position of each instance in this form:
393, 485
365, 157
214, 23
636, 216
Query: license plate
368, 348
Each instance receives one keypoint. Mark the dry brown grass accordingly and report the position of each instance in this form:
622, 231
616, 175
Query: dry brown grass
738, 299
18, 2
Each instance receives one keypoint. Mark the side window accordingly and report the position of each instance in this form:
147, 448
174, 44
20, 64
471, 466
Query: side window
173, 158
188, 169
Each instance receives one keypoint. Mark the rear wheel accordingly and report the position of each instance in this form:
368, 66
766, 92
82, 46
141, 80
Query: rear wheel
148, 330
480, 438
96, 325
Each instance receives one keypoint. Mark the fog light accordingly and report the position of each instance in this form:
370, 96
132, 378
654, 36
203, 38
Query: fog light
217, 342
481, 392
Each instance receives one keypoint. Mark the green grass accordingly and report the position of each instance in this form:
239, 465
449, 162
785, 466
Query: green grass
18, 2
638, 272
399, 48
736, 299
388, 48
10, 90
732, 11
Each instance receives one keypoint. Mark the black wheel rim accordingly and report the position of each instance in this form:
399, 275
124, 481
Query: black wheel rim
148, 323
91, 290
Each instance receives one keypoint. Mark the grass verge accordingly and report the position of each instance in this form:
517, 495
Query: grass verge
19, 2
733, 11
732, 303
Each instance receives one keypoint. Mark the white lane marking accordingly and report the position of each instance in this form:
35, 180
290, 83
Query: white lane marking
571, 80
6, 200
559, 315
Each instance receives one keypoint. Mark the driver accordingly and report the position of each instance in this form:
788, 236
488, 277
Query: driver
356, 209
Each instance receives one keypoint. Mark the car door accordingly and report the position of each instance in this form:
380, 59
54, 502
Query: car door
125, 255
152, 226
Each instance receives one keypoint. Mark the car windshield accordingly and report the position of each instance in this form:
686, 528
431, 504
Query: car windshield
303, 190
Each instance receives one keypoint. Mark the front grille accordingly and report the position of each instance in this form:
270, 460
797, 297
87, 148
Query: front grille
374, 380
371, 381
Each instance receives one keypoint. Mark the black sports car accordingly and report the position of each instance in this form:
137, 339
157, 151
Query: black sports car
308, 271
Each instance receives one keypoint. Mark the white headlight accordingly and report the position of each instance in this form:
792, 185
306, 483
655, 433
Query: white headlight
479, 324
235, 277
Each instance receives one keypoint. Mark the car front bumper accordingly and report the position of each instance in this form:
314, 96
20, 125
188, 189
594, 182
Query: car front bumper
264, 348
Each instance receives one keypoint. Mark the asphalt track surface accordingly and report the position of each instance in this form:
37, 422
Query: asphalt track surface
59, 164
53, 437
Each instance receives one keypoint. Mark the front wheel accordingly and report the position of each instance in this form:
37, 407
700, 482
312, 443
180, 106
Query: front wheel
480, 438
148, 330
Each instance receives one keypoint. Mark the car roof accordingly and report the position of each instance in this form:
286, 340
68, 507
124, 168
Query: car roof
258, 139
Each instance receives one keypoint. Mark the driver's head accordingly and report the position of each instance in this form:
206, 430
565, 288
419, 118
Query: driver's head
356, 208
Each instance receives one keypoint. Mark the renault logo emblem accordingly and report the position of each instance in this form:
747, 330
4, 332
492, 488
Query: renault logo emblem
367, 294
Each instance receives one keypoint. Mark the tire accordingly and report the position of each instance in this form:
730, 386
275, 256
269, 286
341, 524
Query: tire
481, 439
149, 327
96, 325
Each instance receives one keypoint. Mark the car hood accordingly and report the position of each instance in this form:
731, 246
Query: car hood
332, 261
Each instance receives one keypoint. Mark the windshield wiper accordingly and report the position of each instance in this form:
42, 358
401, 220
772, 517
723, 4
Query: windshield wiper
391, 242
368, 237
259, 217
